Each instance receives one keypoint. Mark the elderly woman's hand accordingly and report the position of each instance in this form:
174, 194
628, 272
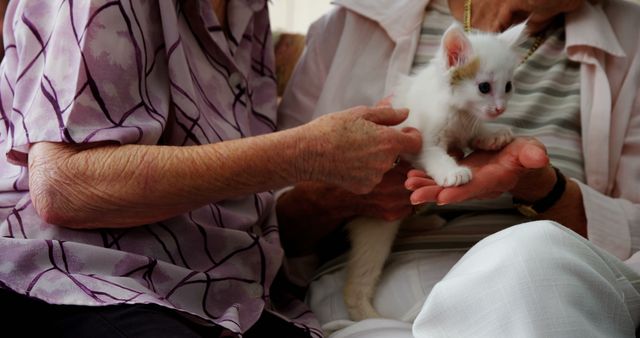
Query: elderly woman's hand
354, 148
520, 168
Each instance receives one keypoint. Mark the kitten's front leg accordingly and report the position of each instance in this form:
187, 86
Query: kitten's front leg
442, 167
492, 138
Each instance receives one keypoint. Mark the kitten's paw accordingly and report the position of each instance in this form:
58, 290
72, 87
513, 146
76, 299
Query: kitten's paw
494, 141
454, 177
358, 304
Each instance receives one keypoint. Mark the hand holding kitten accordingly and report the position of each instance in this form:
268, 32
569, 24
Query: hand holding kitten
512, 169
356, 147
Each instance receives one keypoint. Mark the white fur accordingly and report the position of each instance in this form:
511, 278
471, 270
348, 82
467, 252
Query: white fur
447, 116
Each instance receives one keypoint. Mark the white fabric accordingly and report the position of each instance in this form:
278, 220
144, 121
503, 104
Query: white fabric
376, 328
552, 283
403, 287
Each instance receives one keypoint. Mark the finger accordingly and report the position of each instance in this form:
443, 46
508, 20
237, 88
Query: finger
476, 187
385, 116
533, 156
503, 17
425, 194
398, 214
401, 169
410, 130
416, 173
386, 102
414, 183
410, 140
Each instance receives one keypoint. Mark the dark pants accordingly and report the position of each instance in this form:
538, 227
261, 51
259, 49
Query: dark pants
34, 318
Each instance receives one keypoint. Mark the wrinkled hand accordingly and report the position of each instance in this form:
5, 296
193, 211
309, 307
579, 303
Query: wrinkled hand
356, 147
514, 168
497, 16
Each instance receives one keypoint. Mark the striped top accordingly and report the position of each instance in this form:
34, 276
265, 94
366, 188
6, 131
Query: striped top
545, 105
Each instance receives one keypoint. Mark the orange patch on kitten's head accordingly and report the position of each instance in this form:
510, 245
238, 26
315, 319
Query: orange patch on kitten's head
465, 72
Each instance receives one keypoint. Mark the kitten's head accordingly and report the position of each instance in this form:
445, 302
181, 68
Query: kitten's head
480, 69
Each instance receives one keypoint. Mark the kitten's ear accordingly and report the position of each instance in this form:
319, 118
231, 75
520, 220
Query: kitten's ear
515, 35
456, 46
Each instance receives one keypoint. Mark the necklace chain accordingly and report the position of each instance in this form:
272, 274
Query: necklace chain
467, 28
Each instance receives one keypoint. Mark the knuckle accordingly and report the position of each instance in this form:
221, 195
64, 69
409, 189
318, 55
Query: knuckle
361, 109
363, 188
389, 217
394, 215
358, 190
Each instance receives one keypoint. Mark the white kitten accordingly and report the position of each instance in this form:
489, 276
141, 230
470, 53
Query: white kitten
468, 81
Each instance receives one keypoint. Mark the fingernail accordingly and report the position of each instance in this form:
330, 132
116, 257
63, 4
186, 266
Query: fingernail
418, 203
441, 204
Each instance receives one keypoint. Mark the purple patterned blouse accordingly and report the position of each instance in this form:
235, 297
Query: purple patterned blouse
141, 72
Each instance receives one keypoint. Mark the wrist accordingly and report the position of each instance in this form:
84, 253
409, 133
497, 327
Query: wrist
533, 208
307, 149
300, 148
535, 185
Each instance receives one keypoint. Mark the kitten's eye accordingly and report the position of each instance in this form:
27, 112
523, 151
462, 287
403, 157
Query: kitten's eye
484, 87
508, 87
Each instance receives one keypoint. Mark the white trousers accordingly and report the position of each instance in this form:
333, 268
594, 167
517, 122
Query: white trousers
536, 279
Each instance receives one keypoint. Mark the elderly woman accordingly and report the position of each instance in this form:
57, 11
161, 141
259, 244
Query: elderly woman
577, 100
139, 169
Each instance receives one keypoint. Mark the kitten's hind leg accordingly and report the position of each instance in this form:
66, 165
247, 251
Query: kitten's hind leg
371, 241
443, 168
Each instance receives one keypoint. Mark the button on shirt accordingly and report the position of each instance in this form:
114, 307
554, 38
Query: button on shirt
140, 72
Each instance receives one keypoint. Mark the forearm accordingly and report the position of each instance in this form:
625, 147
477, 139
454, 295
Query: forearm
119, 186
128, 185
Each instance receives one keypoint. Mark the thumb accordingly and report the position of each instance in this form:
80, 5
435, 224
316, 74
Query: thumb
533, 156
386, 102
386, 116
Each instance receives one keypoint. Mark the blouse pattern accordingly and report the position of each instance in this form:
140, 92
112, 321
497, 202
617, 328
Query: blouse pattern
149, 72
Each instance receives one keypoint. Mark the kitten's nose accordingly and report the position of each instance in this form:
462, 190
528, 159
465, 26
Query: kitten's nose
499, 110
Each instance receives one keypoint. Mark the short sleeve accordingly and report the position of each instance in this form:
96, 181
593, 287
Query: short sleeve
81, 72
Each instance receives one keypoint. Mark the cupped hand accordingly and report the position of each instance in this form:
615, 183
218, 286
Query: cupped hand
356, 147
517, 167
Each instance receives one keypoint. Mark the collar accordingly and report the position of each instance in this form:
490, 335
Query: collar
398, 18
589, 26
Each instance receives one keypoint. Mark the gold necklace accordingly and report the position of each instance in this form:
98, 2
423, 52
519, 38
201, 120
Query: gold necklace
467, 28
